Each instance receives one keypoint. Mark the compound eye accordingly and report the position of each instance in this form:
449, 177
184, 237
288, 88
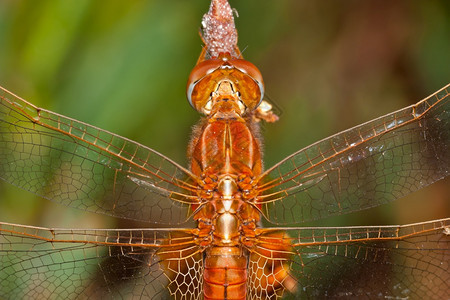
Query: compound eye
248, 68
253, 92
198, 98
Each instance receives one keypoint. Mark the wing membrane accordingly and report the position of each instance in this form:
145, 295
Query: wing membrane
84, 167
362, 167
38, 263
410, 261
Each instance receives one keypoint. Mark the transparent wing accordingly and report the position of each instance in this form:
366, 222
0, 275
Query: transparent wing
362, 167
389, 262
42, 263
84, 167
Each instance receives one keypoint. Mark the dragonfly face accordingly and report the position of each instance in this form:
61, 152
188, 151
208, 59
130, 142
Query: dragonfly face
244, 77
356, 169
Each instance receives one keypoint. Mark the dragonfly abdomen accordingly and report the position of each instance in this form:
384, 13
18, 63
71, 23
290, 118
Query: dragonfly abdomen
225, 274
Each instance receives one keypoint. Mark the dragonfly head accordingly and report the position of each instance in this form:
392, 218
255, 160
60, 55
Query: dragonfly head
211, 76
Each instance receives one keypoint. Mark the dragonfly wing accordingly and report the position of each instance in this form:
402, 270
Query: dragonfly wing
407, 262
41, 263
368, 165
84, 167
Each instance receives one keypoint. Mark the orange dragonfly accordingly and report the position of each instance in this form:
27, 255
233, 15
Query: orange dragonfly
207, 240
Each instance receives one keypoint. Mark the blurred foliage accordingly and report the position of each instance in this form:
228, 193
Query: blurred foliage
123, 66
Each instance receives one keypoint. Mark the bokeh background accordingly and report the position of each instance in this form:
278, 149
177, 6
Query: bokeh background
123, 66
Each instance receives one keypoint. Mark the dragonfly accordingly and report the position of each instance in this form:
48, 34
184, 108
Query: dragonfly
205, 238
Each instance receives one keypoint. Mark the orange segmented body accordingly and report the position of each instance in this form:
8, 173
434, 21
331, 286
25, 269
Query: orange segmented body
226, 154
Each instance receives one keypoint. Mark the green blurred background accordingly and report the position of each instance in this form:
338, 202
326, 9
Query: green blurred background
123, 66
